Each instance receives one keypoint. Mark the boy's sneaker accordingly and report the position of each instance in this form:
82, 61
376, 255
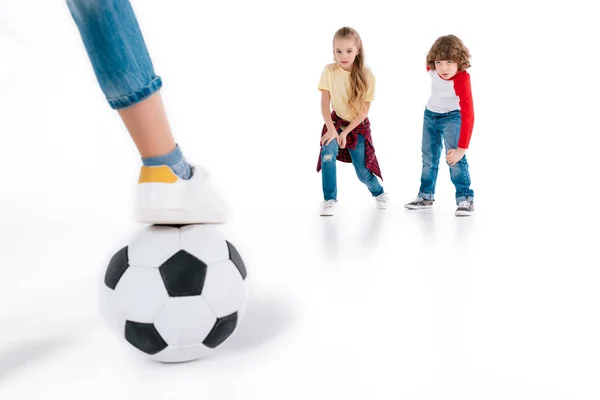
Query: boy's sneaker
465, 208
164, 198
381, 201
328, 208
419, 203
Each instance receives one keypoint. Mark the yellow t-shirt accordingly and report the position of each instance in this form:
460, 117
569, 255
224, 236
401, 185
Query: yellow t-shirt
336, 81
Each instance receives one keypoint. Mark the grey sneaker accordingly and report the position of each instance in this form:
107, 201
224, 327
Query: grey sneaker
465, 208
419, 204
328, 208
381, 201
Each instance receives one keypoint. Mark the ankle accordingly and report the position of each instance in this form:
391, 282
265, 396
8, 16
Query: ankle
174, 160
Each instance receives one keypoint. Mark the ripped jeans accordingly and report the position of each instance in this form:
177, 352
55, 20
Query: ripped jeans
329, 175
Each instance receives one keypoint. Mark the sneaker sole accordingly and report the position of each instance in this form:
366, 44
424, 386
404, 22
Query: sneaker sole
178, 217
418, 207
463, 213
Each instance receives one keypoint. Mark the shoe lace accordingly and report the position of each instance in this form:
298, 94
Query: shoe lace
464, 204
382, 198
418, 199
328, 204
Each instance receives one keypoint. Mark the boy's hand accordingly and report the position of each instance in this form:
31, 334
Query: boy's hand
329, 136
455, 155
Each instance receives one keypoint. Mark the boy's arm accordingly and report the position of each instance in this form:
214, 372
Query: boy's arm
462, 87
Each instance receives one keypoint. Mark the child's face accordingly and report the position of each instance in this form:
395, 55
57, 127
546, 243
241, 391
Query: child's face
446, 68
345, 51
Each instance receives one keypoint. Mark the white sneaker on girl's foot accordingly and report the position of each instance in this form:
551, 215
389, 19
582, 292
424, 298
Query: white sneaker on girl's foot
381, 201
165, 198
328, 208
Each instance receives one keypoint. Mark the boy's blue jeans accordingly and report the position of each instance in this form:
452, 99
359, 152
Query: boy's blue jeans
438, 127
114, 43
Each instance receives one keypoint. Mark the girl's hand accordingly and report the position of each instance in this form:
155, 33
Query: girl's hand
342, 139
455, 155
328, 137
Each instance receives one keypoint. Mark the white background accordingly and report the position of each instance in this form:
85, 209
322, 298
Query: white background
367, 304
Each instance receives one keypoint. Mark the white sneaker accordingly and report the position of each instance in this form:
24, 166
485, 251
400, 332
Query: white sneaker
381, 201
328, 208
164, 198
465, 208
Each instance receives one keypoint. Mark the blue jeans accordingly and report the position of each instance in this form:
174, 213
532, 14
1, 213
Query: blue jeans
115, 46
446, 127
328, 169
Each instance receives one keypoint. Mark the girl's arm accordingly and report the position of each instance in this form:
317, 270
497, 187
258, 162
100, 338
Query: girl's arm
331, 133
326, 111
357, 120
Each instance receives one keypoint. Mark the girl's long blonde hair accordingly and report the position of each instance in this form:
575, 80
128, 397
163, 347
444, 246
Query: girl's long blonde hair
358, 74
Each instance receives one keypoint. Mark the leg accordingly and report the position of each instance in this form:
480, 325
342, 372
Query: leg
168, 190
148, 126
431, 149
123, 68
328, 170
363, 174
459, 172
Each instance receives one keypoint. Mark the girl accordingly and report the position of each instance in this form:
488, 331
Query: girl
448, 118
349, 87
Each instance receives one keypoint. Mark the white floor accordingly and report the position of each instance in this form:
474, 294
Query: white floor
364, 305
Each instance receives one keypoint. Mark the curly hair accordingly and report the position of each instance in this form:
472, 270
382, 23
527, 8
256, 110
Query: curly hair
358, 75
449, 47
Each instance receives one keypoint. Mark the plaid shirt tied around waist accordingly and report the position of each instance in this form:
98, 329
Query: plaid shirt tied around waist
364, 128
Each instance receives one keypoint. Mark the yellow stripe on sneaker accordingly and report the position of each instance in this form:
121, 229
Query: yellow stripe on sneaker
160, 174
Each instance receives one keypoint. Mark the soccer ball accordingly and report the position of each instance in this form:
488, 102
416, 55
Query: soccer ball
176, 293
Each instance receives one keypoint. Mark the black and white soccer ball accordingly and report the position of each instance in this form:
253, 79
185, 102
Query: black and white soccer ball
175, 293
